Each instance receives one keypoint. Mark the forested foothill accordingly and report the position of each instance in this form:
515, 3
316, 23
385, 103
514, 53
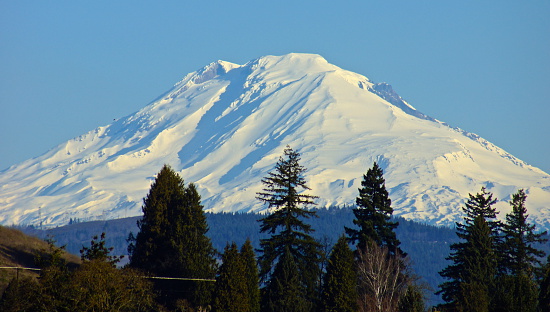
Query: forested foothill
296, 258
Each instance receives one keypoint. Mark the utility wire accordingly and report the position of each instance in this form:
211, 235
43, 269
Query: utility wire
150, 277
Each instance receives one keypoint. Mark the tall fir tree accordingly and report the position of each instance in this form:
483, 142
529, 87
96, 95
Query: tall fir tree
479, 267
474, 259
284, 291
373, 214
284, 193
231, 290
172, 239
251, 275
340, 282
520, 253
517, 289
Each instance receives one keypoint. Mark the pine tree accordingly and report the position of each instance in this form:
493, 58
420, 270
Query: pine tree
283, 292
520, 254
471, 276
480, 204
251, 275
479, 267
516, 293
544, 289
231, 291
340, 284
517, 289
172, 239
283, 192
373, 214
412, 300
99, 252
53, 288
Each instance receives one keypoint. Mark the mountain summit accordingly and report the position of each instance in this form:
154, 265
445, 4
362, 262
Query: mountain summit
224, 127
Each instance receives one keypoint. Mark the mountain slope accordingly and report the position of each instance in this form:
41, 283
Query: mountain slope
224, 127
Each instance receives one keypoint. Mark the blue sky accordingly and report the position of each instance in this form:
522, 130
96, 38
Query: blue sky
67, 67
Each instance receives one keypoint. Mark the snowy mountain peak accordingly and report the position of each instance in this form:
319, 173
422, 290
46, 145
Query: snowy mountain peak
224, 126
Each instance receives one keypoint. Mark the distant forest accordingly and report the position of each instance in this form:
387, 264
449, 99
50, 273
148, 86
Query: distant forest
426, 245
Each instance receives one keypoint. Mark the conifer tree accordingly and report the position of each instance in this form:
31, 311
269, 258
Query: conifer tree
99, 252
544, 289
54, 279
373, 214
340, 284
172, 238
251, 275
231, 290
283, 291
480, 204
412, 300
479, 268
283, 192
472, 272
520, 254
517, 289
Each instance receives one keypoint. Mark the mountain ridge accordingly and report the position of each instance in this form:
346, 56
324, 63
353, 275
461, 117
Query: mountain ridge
224, 126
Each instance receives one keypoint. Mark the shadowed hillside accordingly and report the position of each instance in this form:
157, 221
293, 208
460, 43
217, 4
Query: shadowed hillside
19, 250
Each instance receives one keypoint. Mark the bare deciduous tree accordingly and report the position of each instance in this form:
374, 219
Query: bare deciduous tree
383, 279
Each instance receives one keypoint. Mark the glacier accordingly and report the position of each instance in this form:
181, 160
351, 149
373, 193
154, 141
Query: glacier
224, 127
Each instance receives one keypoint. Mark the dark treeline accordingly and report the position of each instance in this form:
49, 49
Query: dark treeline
426, 245
293, 259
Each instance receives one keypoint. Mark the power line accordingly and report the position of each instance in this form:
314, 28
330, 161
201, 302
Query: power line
150, 277
21, 268
180, 278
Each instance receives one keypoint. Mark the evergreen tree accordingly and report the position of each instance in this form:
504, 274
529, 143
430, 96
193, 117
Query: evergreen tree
283, 292
251, 275
517, 289
172, 239
474, 259
231, 290
51, 257
479, 269
516, 293
340, 284
544, 289
53, 290
520, 254
412, 300
480, 204
373, 214
283, 192
99, 252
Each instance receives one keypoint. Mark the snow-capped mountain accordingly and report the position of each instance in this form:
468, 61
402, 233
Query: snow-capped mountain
225, 126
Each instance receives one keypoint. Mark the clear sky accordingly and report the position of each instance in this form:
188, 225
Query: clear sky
67, 67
